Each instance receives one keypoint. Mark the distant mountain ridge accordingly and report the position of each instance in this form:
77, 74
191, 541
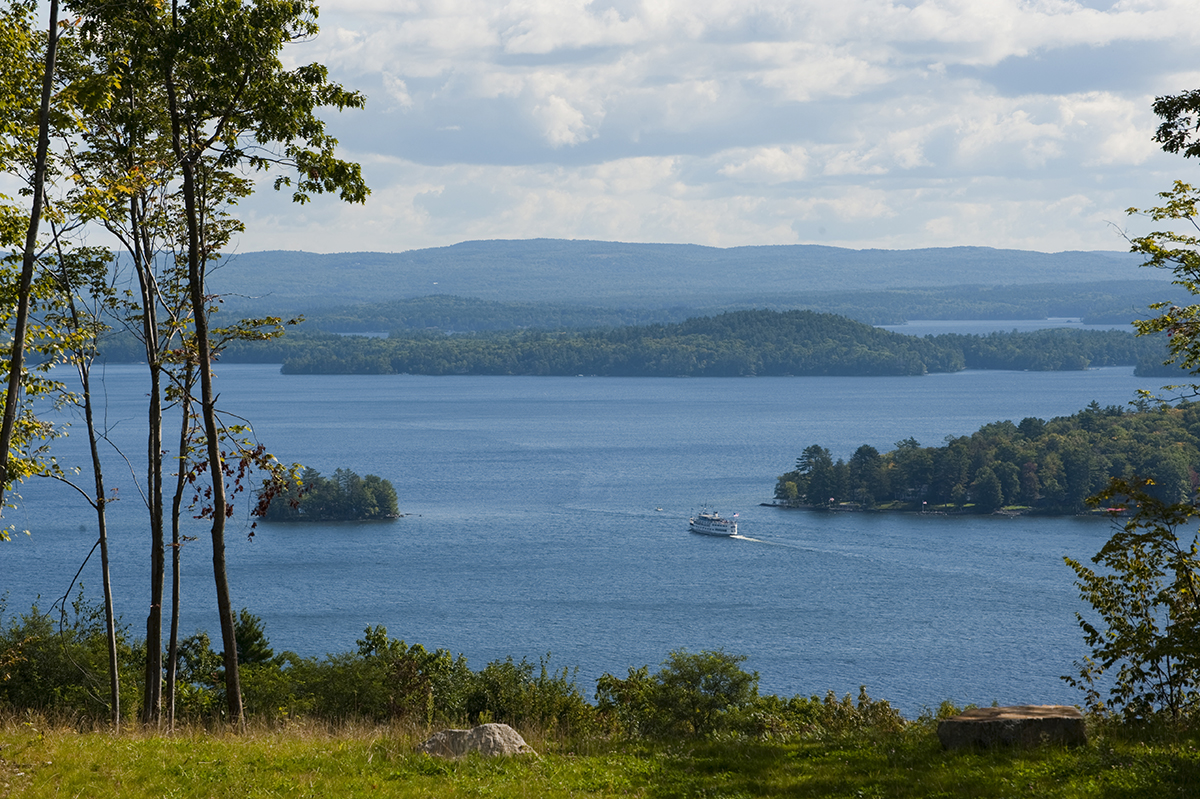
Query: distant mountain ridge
638, 275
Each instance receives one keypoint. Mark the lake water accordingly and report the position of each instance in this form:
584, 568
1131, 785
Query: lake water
981, 327
533, 527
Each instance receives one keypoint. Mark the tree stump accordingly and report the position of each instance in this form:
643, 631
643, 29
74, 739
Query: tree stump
1021, 725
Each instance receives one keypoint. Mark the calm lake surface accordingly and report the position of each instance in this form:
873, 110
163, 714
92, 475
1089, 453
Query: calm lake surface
533, 527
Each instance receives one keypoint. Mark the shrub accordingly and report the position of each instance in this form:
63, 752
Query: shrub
59, 662
509, 692
693, 694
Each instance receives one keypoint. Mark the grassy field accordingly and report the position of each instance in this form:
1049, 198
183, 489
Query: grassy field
37, 760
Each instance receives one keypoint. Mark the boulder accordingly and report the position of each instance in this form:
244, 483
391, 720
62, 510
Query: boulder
489, 740
1022, 725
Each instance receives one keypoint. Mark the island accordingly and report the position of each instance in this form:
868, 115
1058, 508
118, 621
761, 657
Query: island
1032, 467
344, 497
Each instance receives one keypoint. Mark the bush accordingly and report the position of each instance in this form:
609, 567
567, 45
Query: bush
843, 717
507, 691
693, 694
58, 663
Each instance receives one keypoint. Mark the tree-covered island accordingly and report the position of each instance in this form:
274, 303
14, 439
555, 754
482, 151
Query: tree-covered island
345, 497
733, 344
1038, 466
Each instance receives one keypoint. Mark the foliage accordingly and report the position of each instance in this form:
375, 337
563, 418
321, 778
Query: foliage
1048, 466
1147, 597
814, 717
343, 497
1178, 130
384, 680
521, 694
1177, 251
728, 345
58, 662
20, 63
692, 694
46, 346
1096, 302
1147, 600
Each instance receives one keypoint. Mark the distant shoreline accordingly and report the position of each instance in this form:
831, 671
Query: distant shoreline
942, 510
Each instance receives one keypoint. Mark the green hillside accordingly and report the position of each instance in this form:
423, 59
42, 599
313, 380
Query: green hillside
642, 275
734, 344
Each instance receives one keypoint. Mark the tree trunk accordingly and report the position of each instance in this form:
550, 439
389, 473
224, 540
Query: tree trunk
152, 703
114, 682
196, 260
17, 357
218, 506
185, 434
84, 365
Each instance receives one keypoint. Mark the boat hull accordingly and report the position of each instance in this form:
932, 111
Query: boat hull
712, 524
715, 533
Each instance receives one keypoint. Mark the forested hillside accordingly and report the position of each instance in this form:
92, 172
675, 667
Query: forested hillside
1047, 466
1113, 302
733, 344
729, 345
645, 275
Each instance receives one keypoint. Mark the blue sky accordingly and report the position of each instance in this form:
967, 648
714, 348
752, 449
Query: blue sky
855, 123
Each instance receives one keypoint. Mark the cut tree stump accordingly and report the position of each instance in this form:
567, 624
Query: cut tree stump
1020, 725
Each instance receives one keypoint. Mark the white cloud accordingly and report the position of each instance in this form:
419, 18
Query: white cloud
561, 122
397, 90
862, 122
765, 164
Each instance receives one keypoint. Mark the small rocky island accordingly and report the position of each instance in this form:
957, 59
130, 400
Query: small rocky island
344, 497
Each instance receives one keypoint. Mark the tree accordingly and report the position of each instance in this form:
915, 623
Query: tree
821, 479
229, 94
81, 277
986, 490
228, 103
915, 466
699, 690
252, 644
344, 497
17, 138
1179, 130
866, 475
1147, 599
123, 175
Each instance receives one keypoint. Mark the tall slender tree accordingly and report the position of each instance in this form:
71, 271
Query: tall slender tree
229, 103
85, 298
18, 46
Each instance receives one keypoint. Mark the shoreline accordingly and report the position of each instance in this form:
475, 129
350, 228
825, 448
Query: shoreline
943, 510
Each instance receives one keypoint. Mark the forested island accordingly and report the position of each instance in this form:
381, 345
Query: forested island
1094, 302
344, 497
1039, 466
733, 344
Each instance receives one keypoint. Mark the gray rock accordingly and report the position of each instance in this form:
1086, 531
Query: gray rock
1021, 725
489, 740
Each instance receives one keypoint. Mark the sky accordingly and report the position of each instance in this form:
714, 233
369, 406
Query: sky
852, 123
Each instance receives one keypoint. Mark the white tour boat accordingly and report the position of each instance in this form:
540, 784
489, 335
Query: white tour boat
707, 523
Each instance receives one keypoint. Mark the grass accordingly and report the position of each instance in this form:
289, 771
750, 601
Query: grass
41, 760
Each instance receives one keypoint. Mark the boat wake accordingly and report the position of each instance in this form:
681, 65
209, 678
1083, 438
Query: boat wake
784, 544
756, 540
